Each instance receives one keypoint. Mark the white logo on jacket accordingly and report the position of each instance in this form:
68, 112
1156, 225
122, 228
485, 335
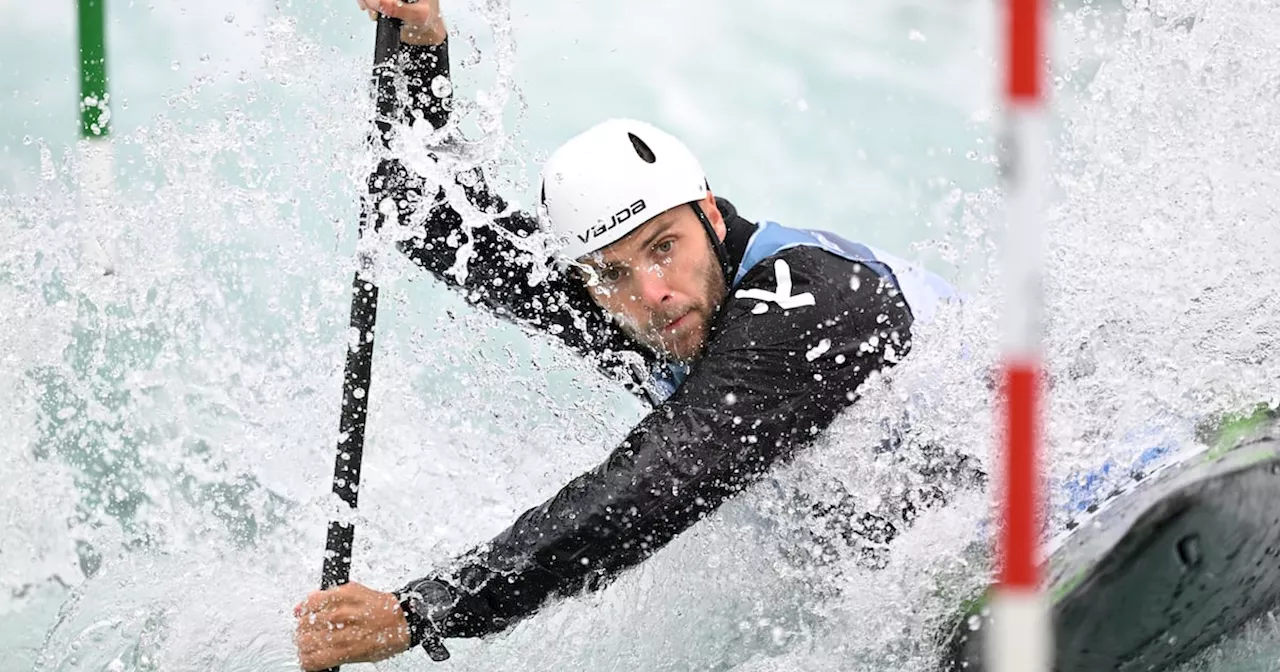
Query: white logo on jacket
781, 296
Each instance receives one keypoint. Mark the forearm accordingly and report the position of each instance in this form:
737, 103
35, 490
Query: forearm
495, 269
489, 266
487, 258
605, 521
441, 236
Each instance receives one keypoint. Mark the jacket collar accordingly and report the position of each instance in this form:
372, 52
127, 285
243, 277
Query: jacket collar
738, 232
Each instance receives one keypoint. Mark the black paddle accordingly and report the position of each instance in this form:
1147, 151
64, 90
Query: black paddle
364, 312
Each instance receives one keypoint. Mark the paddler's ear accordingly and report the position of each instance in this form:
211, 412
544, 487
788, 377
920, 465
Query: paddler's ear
709, 208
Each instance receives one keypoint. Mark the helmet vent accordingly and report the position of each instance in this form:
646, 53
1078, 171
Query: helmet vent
642, 150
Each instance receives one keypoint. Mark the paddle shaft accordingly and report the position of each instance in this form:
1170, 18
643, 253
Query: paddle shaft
364, 311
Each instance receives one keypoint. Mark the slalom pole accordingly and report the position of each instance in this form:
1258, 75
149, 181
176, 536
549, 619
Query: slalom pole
1020, 638
96, 166
364, 312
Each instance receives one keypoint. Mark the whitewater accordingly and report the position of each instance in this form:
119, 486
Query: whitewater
167, 433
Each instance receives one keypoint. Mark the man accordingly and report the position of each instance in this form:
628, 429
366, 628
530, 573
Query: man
747, 339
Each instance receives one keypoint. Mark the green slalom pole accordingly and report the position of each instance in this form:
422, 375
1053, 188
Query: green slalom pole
96, 174
95, 121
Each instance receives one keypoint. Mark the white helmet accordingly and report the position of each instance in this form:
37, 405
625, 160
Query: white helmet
609, 180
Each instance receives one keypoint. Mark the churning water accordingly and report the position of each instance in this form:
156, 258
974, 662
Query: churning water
166, 433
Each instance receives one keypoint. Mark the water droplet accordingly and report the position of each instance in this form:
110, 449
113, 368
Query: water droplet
441, 87
47, 170
175, 65
229, 18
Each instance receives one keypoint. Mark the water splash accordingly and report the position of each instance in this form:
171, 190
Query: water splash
168, 429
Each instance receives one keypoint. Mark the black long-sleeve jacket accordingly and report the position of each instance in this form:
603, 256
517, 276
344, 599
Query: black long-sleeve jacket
757, 394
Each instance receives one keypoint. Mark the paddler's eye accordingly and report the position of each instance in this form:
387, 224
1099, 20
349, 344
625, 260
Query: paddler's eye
665, 246
611, 275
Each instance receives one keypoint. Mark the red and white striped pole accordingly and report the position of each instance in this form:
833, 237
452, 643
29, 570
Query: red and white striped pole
1020, 637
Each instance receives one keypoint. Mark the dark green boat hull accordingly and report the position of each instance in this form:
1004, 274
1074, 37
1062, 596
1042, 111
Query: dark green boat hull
1163, 570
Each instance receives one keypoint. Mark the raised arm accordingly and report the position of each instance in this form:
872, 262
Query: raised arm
497, 270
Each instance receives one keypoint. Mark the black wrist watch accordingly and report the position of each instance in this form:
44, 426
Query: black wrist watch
421, 613
422, 629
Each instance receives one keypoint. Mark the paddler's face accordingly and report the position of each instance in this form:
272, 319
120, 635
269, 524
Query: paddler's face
662, 282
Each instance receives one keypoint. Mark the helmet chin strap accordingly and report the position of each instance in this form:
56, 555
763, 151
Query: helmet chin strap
722, 255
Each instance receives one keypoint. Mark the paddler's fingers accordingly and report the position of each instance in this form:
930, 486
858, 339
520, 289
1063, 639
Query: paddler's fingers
320, 650
328, 622
376, 7
318, 601
347, 594
421, 12
392, 8
345, 635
